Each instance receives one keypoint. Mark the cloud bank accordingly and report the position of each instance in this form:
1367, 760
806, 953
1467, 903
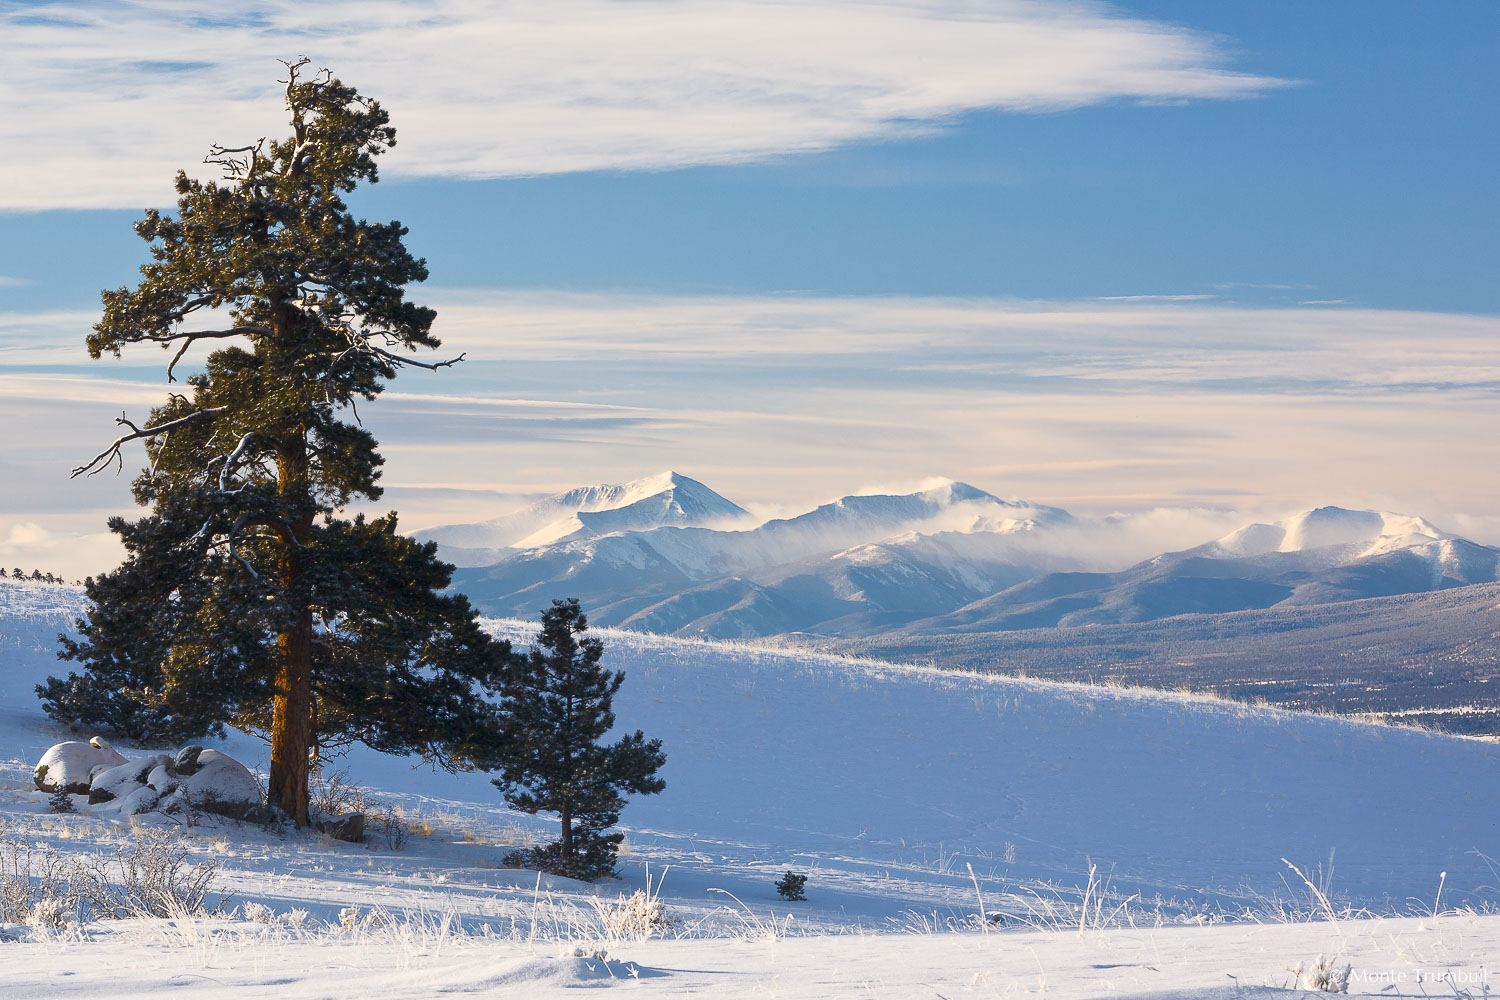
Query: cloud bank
781, 401
107, 101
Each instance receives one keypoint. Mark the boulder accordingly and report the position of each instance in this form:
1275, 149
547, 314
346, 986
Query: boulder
219, 779
186, 760
350, 827
143, 799
161, 779
71, 766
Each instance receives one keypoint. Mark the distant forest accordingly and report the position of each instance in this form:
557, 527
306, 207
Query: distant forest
35, 576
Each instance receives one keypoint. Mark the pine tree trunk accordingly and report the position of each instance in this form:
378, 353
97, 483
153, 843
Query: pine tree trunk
565, 853
292, 733
291, 719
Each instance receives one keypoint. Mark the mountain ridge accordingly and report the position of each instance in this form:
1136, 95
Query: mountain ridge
667, 554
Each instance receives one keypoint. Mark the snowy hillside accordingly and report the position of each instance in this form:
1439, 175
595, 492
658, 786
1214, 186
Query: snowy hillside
886, 785
1431, 659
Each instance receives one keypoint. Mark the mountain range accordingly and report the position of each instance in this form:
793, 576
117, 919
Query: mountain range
667, 554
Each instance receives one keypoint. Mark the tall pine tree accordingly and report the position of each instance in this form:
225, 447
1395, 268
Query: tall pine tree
556, 711
244, 600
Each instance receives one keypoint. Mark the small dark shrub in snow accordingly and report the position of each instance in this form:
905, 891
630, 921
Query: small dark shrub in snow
790, 887
60, 801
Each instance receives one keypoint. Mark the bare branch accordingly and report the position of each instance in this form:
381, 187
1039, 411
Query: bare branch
236, 161
229, 462
112, 453
235, 331
188, 339
234, 552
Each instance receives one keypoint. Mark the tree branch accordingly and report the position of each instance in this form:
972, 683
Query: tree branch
102, 460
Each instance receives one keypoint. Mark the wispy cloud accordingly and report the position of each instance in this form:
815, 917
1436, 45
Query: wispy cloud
1089, 405
6, 281
1155, 298
108, 100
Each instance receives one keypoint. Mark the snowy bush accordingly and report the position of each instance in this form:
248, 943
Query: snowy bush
257, 913
153, 879
1324, 977
333, 793
61, 801
388, 821
639, 917
51, 913
790, 887
37, 885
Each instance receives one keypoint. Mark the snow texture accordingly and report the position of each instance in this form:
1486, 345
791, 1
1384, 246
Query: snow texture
919, 803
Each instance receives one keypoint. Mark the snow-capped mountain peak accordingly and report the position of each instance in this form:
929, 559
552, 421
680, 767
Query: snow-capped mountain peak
667, 498
1366, 532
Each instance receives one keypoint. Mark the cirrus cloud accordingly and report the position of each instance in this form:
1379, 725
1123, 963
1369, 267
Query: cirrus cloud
108, 100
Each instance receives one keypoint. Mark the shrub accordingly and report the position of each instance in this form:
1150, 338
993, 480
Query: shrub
60, 801
37, 886
333, 793
153, 879
257, 913
1323, 977
388, 821
639, 917
790, 887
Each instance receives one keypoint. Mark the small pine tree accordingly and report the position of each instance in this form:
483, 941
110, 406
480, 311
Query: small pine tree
60, 801
790, 887
550, 757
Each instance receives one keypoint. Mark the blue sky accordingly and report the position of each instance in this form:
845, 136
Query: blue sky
1249, 182
1370, 179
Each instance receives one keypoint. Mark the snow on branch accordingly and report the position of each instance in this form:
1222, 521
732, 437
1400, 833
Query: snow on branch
102, 460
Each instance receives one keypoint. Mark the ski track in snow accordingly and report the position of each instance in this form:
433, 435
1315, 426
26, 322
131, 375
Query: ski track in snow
887, 785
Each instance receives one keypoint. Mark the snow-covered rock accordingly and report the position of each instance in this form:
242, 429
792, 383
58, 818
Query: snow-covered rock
72, 765
122, 779
190, 778
217, 778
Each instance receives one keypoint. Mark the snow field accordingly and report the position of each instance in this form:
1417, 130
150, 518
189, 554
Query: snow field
1408, 957
1105, 825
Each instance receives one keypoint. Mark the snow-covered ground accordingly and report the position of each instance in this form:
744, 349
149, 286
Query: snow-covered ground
1136, 844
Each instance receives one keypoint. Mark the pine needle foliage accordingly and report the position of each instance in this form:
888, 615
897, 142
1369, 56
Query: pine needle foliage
556, 712
245, 599
792, 887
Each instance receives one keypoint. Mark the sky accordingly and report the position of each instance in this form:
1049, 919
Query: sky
1233, 259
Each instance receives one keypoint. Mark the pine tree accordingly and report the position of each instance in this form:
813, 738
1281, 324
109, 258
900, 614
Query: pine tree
244, 600
557, 709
